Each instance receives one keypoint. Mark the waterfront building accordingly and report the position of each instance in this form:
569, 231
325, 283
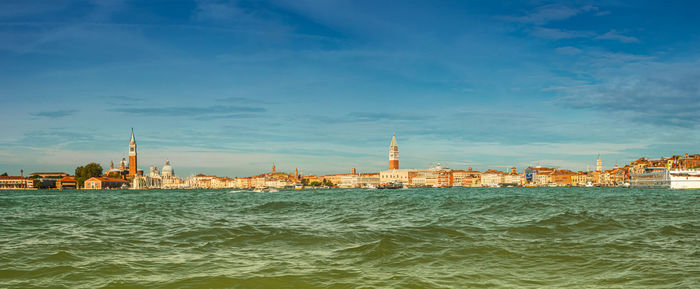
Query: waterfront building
56, 175
471, 178
491, 178
513, 179
243, 183
689, 162
543, 177
17, 182
133, 168
561, 178
98, 183
404, 176
168, 178
200, 181
336, 179
472, 181
393, 154
595, 177
67, 183
222, 183
168, 171
436, 176
47, 180
580, 179
151, 181
359, 180
531, 175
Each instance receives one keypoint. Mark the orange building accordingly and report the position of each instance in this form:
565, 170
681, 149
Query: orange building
562, 177
67, 183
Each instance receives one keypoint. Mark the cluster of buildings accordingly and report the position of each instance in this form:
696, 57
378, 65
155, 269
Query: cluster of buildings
127, 175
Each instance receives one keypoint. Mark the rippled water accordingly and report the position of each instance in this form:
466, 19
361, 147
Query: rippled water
426, 238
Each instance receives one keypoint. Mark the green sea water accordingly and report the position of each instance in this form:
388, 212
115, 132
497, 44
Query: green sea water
414, 238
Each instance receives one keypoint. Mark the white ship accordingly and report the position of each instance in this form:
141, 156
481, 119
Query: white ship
664, 178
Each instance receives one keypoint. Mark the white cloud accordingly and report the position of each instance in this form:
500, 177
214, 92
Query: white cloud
567, 50
550, 12
614, 35
553, 33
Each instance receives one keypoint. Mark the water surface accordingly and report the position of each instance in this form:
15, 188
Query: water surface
416, 238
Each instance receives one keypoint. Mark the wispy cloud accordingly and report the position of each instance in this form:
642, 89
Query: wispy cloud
614, 35
554, 33
369, 117
54, 113
246, 100
567, 50
659, 94
550, 12
217, 10
186, 111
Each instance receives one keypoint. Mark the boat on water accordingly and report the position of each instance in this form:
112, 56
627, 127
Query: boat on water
390, 186
665, 178
265, 190
298, 186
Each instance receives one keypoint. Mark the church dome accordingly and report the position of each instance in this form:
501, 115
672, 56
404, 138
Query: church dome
167, 170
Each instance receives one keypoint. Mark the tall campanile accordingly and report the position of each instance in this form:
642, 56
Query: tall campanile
393, 154
132, 155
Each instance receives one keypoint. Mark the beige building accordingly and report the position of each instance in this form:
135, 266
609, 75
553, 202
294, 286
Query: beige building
491, 178
16, 182
543, 178
514, 179
404, 176
359, 180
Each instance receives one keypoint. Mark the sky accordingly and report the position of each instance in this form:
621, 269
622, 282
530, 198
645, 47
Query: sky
230, 87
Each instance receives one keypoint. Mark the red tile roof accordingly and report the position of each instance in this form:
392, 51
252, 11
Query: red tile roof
67, 179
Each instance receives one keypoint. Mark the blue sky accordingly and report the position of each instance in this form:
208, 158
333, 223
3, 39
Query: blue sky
228, 87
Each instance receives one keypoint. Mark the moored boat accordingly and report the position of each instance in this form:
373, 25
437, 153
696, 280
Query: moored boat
665, 178
390, 186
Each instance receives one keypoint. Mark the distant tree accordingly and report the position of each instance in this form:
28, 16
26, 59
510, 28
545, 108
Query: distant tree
4, 174
88, 171
315, 184
304, 182
327, 183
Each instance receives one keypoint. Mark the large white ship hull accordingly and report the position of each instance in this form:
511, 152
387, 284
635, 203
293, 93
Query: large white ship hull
685, 180
689, 179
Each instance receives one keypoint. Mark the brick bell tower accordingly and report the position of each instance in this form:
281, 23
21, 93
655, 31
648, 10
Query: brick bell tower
132, 155
393, 154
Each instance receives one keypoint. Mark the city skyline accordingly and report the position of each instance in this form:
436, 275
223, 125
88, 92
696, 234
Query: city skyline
130, 168
229, 87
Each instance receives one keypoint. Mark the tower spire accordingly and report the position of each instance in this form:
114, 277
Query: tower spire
133, 166
393, 154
